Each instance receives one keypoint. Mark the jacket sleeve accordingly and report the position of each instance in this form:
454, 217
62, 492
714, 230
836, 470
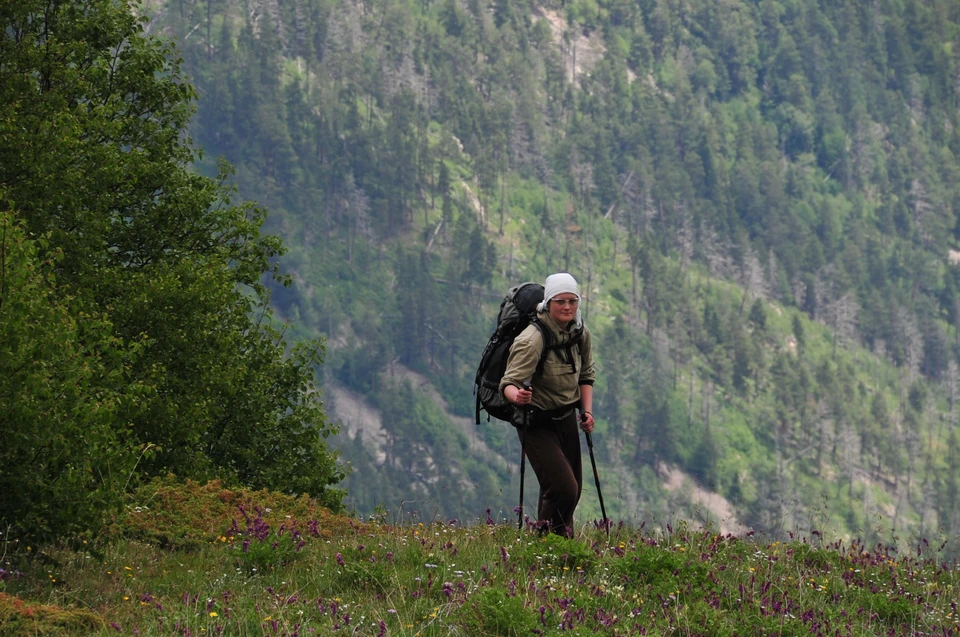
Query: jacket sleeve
588, 372
524, 356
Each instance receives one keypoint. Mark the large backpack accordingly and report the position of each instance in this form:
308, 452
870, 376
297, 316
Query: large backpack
517, 310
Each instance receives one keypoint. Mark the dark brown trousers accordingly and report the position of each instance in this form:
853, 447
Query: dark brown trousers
553, 448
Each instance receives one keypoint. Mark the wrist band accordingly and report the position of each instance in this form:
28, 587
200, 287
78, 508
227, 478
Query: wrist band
587, 412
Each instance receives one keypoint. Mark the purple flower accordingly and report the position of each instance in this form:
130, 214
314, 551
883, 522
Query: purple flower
339, 559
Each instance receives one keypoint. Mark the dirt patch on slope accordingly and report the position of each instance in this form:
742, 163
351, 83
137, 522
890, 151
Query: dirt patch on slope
580, 52
718, 508
357, 417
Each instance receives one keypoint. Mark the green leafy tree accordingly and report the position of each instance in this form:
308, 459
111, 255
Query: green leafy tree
92, 121
65, 461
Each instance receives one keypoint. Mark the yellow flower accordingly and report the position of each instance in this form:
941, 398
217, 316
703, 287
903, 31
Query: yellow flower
127, 568
126, 598
213, 613
268, 618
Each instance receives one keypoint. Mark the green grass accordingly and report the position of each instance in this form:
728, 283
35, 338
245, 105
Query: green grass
330, 575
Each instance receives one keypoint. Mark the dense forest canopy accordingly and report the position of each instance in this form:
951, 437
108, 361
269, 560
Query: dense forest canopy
758, 196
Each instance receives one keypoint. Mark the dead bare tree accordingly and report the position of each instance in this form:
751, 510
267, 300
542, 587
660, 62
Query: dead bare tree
716, 252
841, 315
752, 279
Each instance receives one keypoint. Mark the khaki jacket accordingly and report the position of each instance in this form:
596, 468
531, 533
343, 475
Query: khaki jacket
558, 385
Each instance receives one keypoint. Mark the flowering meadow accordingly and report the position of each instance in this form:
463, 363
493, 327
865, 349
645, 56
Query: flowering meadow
248, 565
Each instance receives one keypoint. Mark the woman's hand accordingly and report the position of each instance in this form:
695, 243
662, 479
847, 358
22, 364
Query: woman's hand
586, 421
518, 396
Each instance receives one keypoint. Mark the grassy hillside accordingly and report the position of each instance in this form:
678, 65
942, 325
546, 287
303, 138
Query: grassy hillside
263, 564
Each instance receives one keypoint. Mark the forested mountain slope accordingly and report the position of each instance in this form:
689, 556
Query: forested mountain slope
757, 197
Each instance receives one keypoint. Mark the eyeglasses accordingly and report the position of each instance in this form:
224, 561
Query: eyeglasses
562, 302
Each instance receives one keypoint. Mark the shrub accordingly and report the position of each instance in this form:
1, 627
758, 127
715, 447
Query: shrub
176, 514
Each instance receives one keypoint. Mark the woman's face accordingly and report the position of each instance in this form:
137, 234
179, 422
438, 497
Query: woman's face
563, 307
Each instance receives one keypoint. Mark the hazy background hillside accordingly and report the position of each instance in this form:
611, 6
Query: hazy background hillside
758, 199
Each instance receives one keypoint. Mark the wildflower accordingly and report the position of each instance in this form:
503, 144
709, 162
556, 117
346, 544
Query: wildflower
213, 613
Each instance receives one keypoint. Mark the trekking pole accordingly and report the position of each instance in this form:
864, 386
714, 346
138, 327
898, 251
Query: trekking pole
523, 458
596, 476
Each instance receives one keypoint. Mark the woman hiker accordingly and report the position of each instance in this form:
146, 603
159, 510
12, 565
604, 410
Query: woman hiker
546, 414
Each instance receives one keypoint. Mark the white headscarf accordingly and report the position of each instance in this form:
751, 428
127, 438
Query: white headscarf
560, 283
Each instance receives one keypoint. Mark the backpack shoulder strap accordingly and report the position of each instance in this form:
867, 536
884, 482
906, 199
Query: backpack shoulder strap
548, 344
